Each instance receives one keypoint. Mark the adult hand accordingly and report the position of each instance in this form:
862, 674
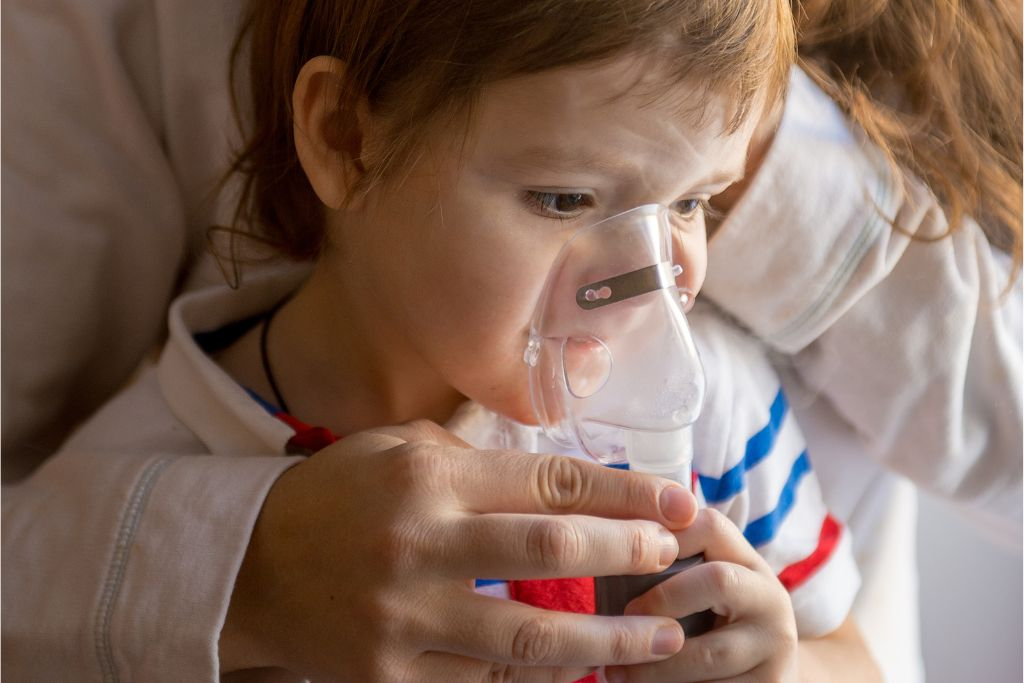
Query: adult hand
362, 562
755, 637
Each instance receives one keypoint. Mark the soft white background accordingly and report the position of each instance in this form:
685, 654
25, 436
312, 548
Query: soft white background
971, 601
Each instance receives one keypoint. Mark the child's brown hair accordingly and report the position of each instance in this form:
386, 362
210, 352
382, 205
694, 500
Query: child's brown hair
416, 60
937, 84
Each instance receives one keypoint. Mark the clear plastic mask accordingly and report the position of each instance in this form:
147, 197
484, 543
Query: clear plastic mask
613, 368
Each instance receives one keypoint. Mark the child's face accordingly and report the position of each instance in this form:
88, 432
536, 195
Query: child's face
454, 252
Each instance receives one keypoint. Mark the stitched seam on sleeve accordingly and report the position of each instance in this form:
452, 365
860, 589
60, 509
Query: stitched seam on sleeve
115, 574
868, 234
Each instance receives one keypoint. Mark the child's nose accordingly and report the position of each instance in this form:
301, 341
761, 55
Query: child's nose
687, 276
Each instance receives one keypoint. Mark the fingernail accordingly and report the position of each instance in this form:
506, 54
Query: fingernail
669, 547
667, 641
676, 504
615, 674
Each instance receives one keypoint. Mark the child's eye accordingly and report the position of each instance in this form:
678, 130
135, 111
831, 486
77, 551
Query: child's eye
558, 204
688, 208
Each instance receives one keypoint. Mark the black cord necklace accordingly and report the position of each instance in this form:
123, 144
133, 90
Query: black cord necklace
264, 356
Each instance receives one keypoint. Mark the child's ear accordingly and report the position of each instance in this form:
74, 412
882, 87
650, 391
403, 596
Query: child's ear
329, 138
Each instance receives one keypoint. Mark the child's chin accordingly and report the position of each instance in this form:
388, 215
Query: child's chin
519, 410
526, 418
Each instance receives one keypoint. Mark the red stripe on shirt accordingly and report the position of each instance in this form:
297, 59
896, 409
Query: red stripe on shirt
563, 595
793, 576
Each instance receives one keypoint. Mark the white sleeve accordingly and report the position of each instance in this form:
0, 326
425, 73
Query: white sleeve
116, 124
100, 563
130, 536
913, 342
753, 465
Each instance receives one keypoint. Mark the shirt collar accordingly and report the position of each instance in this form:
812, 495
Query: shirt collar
199, 392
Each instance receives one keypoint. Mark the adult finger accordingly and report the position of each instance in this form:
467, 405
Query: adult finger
496, 630
431, 667
513, 546
728, 653
509, 481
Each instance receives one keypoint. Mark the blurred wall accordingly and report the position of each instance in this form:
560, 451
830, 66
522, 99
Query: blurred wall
971, 601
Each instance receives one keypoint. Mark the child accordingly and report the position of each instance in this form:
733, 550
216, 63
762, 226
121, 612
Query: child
428, 219
915, 456
436, 171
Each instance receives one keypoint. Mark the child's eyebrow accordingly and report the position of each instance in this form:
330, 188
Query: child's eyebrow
567, 159
724, 178
570, 159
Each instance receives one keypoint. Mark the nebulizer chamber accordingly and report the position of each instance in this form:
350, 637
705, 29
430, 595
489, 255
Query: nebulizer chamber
613, 368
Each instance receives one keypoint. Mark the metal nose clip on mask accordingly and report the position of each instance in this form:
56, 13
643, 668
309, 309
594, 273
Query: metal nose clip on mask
613, 368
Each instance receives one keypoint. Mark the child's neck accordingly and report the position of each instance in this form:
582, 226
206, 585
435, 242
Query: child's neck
336, 367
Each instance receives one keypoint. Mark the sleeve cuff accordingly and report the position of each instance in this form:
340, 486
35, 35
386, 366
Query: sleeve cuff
824, 601
171, 578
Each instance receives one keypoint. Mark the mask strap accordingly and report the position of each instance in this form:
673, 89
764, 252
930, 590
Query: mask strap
628, 285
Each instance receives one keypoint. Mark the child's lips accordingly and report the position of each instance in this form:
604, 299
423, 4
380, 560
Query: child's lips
588, 365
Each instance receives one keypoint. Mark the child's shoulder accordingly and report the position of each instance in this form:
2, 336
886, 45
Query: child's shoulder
736, 364
745, 419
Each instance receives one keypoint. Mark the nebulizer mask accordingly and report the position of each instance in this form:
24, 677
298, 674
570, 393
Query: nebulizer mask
613, 368
612, 365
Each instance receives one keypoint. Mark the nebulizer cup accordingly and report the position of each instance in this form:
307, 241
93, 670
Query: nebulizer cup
612, 366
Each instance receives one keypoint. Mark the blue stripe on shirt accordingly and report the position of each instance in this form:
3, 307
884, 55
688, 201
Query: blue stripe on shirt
762, 530
758, 446
265, 404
